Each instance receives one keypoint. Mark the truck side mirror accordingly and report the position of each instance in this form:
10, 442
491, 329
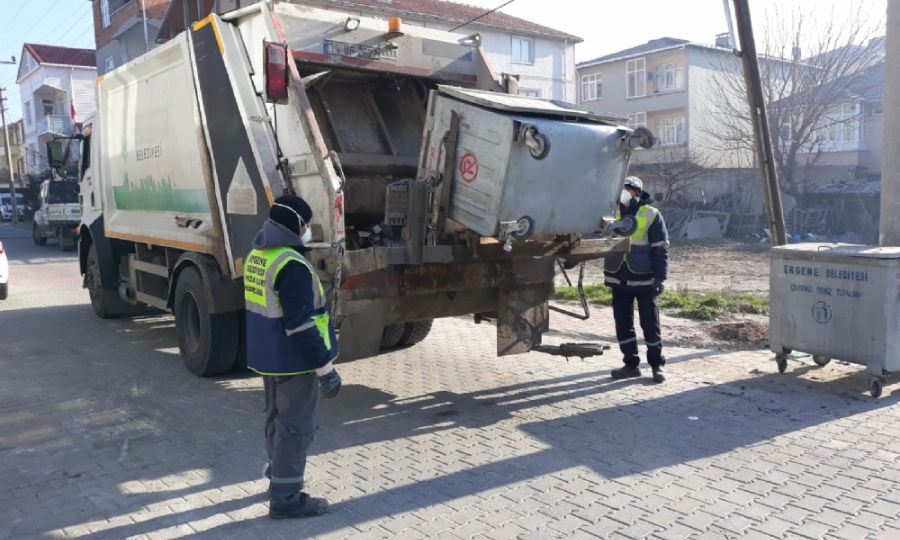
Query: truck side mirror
57, 154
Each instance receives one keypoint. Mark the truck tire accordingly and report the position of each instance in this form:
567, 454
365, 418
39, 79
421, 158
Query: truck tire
106, 303
415, 332
36, 236
208, 341
4, 290
392, 335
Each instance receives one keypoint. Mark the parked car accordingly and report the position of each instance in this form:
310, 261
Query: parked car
4, 273
6, 206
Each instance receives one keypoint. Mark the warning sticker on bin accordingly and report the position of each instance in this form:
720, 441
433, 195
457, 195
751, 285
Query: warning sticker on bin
468, 168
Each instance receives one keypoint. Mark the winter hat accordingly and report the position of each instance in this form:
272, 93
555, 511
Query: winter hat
290, 211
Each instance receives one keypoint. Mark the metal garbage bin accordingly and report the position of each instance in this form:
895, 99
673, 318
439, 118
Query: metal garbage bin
837, 301
526, 166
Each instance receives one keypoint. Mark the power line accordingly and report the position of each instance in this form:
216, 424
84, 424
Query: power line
13, 19
17, 41
485, 14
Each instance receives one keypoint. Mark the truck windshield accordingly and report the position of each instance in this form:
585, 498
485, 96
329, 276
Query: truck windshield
62, 192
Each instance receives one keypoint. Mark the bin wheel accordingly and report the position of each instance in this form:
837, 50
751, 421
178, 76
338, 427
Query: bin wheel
781, 361
821, 360
543, 145
875, 388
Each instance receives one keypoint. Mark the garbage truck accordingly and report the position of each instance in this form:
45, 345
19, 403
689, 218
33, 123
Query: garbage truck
436, 190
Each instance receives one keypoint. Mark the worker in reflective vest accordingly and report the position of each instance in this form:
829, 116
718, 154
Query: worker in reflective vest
290, 342
639, 275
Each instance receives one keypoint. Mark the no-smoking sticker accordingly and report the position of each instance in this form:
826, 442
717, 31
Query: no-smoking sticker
468, 168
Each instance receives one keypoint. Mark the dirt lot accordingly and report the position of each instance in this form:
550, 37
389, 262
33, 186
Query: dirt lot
720, 266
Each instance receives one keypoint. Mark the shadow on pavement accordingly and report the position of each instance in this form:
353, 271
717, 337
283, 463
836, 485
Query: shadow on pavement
81, 420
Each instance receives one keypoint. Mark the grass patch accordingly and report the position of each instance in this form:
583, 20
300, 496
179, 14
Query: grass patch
701, 306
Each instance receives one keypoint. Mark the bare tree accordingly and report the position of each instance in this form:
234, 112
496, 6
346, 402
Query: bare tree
808, 66
674, 170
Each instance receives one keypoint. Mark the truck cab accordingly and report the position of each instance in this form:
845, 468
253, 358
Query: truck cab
58, 215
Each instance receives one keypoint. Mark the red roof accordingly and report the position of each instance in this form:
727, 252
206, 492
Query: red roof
453, 11
67, 56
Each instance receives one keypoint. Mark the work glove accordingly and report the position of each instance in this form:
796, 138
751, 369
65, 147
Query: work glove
658, 287
330, 384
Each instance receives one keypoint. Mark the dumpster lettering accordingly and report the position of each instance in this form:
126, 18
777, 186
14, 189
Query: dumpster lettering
801, 288
801, 270
829, 273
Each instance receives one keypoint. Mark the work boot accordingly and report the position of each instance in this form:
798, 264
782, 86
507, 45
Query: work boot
626, 372
305, 507
659, 376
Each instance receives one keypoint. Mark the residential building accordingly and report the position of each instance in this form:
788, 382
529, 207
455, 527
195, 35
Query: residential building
847, 142
665, 85
16, 134
125, 29
57, 88
542, 57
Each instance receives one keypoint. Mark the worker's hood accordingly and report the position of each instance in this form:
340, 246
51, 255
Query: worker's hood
275, 234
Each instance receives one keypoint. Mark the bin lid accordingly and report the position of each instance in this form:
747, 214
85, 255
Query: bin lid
527, 104
839, 250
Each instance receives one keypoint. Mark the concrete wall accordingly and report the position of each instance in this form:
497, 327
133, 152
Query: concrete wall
708, 69
614, 87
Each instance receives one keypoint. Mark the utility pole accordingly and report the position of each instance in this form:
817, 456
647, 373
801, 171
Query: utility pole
12, 179
761, 134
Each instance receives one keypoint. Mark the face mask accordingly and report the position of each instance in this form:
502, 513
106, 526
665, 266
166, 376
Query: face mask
307, 236
625, 198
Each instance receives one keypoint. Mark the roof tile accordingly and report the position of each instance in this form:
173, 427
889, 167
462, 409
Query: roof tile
67, 56
454, 11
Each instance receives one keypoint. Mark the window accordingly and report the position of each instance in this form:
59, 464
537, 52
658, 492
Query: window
636, 78
591, 87
787, 130
669, 77
850, 115
104, 13
843, 125
636, 120
27, 113
670, 131
530, 92
47, 105
522, 50
109, 64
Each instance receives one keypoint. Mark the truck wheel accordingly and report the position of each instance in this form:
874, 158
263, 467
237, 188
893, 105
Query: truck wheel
208, 341
4, 290
392, 335
36, 236
104, 301
415, 332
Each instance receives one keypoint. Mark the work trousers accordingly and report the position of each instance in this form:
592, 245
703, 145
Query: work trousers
623, 298
292, 419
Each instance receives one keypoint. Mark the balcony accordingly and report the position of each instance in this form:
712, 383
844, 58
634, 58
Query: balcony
58, 124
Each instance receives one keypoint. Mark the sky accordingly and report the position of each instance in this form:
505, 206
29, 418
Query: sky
605, 25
